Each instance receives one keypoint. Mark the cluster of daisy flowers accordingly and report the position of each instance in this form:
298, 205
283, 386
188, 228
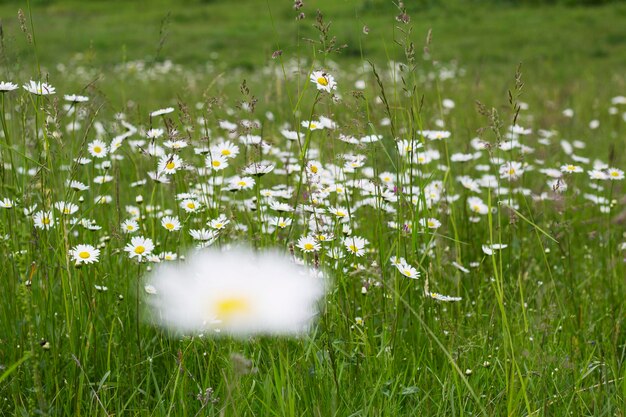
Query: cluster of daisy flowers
210, 179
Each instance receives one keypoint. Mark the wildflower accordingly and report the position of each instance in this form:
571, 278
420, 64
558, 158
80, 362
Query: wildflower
460, 267
190, 205
407, 270
225, 149
130, 226
570, 169
7, 203
66, 207
241, 183
84, 254
312, 125
291, 135
43, 220
489, 249
38, 88
139, 247
203, 235
6, 86
355, 245
258, 170
511, 170
98, 149
596, 174
154, 133
219, 223
73, 98
477, 205
615, 174
161, 112
447, 298
430, 223
308, 244
175, 144
171, 224
78, 186
238, 292
339, 212
280, 222
169, 164
168, 256
280, 207
216, 162
323, 81
435, 134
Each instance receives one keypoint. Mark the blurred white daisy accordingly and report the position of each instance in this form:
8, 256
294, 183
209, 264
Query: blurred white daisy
237, 292
6, 86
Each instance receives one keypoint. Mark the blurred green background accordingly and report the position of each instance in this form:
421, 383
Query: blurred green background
561, 42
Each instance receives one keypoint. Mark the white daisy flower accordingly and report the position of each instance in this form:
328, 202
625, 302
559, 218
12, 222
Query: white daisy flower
139, 247
169, 164
6, 86
171, 224
84, 254
38, 88
161, 112
323, 81
308, 244
355, 245
218, 223
73, 98
98, 149
130, 226
43, 220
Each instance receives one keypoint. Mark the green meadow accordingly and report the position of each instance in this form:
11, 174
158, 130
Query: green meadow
450, 173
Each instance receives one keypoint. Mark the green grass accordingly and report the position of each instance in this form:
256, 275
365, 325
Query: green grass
540, 327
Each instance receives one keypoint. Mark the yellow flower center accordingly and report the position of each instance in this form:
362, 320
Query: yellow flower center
191, 206
97, 149
170, 165
130, 227
226, 152
241, 183
216, 163
407, 272
228, 308
169, 226
139, 250
314, 169
312, 125
353, 248
45, 220
308, 246
511, 171
322, 81
615, 174
83, 255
